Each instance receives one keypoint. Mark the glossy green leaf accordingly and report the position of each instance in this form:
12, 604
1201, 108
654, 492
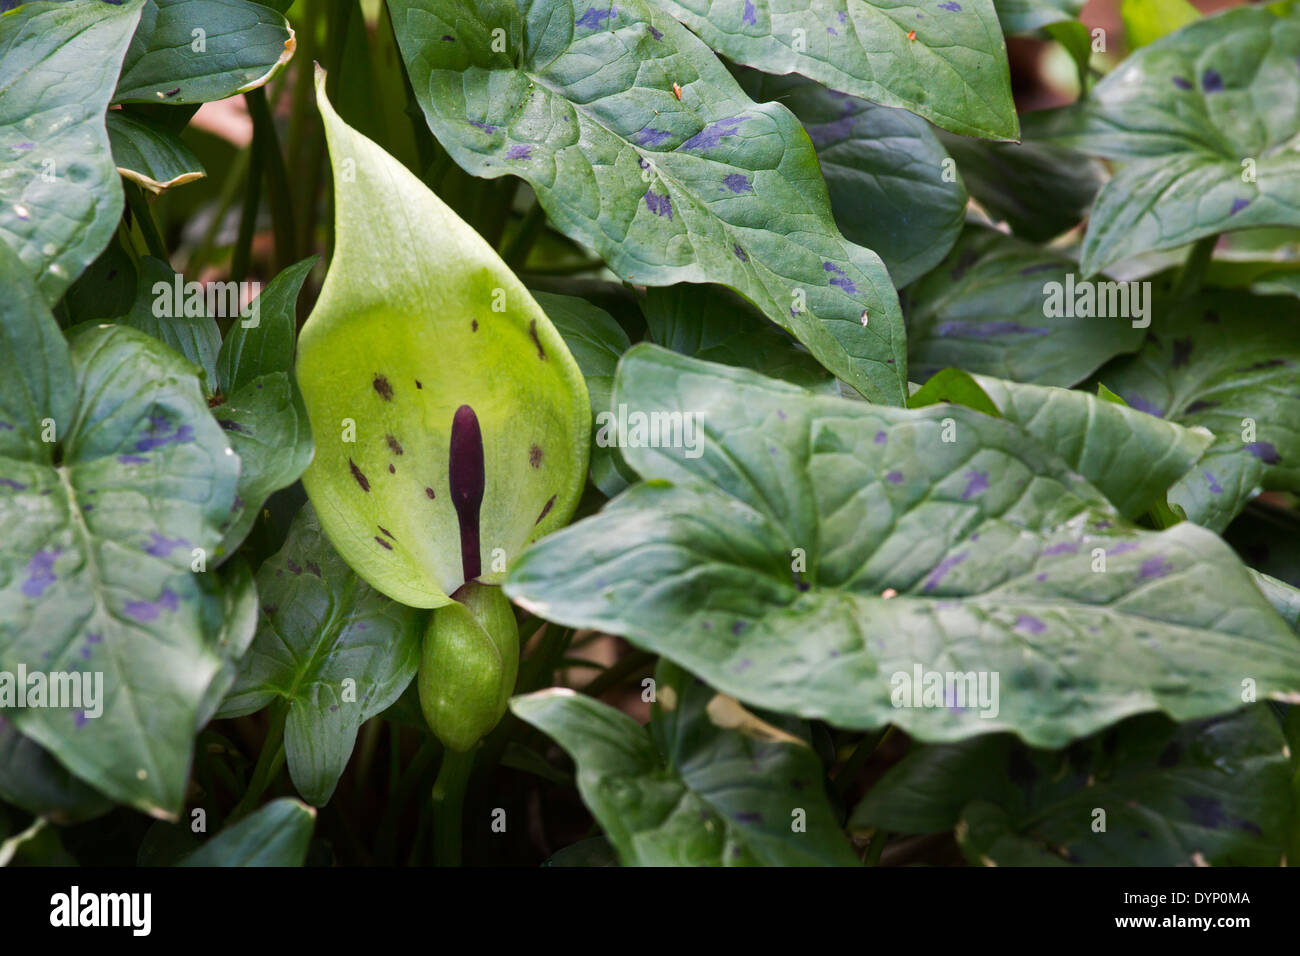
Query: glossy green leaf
1213, 792
60, 196
1026, 16
230, 618
946, 61
596, 342
1037, 189
1146, 21
335, 649
1278, 283
150, 155
817, 549
411, 372
986, 310
103, 525
32, 779
159, 313
893, 187
711, 187
194, 51
105, 290
276, 835
261, 407
1129, 456
711, 323
1230, 363
1207, 115
955, 387
692, 792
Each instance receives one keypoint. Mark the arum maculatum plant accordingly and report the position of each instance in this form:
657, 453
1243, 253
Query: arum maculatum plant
649, 432
453, 430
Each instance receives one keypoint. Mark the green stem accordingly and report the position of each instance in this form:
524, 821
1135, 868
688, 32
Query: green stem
448, 805
366, 751
143, 215
1193, 271
410, 781
521, 243
277, 178
248, 216
269, 762
225, 199
858, 759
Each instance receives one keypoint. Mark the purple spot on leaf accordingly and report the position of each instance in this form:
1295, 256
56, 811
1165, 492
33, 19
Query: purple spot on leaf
737, 183
1211, 82
1265, 452
714, 133
160, 546
1238, 205
1156, 567
40, 572
749, 15
651, 137
592, 19
659, 205
941, 570
1030, 624
519, 151
976, 481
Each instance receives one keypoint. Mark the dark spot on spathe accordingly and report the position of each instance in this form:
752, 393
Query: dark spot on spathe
393, 444
535, 456
383, 388
385, 544
385, 531
360, 478
532, 332
546, 509
428, 493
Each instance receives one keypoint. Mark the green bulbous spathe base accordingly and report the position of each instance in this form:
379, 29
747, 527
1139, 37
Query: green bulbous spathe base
468, 665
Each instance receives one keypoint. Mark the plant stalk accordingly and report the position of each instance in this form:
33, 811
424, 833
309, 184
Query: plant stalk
448, 805
1192, 273
269, 762
135, 198
277, 178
